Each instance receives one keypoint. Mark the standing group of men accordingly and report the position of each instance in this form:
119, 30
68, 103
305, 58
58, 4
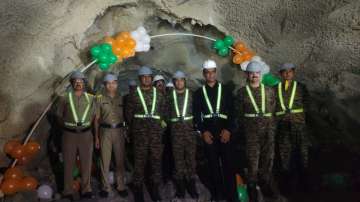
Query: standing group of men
263, 114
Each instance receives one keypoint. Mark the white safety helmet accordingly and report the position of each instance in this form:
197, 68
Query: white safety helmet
209, 64
158, 78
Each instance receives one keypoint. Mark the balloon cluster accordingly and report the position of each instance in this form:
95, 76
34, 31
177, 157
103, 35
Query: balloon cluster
241, 53
222, 46
103, 55
142, 39
14, 181
122, 46
23, 153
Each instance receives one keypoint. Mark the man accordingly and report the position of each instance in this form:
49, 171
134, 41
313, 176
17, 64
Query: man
213, 109
145, 112
169, 86
159, 83
291, 140
255, 106
76, 112
110, 135
183, 137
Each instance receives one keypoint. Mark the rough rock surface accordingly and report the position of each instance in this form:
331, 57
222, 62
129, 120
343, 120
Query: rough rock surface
42, 41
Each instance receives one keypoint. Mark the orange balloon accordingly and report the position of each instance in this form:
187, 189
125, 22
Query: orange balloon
240, 46
120, 42
116, 49
130, 43
24, 160
247, 56
239, 180
28, 184
76, 185
109, 40
32, 148
237, 59
10, 186
18, 152
125, 35
13, 173
10, 145
125, 53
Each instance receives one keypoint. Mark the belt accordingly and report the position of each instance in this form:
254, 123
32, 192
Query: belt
178, 119
74, 130
116, 125
258, 115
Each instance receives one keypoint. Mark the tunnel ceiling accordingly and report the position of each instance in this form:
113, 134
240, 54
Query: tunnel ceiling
44, 40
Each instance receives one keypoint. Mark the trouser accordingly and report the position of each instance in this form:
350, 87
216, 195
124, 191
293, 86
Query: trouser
147, 146
221, 171
260, 151
184, 152
112, 140
167, 158
73, 143
292, 145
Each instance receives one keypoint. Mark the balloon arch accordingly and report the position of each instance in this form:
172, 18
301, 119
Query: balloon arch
116, 49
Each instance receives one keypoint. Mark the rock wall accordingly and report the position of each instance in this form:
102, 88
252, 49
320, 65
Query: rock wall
42, 41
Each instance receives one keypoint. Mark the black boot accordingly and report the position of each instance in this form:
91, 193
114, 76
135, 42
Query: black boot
252, 192
191, 188
138, 194
180, 189
154, 193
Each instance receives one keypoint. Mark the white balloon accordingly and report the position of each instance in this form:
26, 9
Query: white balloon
266, 69
135, 35
111, 177
146, 39
256, 58
45, 192
139, 46
141, 30
244, 65
146, 47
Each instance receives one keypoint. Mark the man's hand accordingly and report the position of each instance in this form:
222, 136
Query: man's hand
225, 136
97, 142
207, 136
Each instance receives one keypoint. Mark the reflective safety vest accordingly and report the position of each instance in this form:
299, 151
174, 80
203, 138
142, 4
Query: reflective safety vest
263, 106
213, 114
289, 108
75, 114
182, 116
146, 111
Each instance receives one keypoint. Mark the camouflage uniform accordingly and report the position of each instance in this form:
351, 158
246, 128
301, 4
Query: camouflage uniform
147, 134
259, 132
76, 138
183, 138
112, 138
291, 140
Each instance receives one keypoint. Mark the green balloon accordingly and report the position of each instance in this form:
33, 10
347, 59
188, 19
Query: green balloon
103, 58
270, 80
242, 193
106, 48
95, 51
228, 41
76, 172
218, 44
224, 51
112, 58
104, 66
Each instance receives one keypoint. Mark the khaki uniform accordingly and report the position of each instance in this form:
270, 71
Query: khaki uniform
112, 138
76, 138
